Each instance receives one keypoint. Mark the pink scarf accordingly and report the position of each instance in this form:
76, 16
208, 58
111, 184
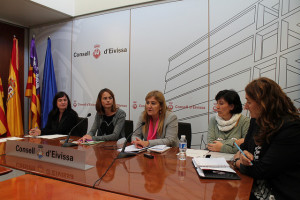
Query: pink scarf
151, 132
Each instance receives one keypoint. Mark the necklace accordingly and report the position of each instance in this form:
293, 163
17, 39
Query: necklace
107, 124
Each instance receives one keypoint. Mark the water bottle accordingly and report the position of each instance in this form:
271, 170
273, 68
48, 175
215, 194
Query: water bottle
182, 148
181, 169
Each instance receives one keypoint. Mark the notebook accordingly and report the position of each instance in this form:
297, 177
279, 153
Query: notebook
156, 148
159, 148
216, 168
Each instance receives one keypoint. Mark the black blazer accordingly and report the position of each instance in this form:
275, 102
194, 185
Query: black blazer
67, 122
279, 161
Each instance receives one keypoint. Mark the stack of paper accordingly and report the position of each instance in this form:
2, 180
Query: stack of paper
47, 136
159, 148
10, 138
133, 149
219, 164
202, 153
216, 168
156, 148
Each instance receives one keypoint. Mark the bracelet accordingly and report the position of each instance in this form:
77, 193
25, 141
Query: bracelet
234, 161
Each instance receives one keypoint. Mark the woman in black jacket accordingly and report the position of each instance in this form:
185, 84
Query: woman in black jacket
61, 119
272, 143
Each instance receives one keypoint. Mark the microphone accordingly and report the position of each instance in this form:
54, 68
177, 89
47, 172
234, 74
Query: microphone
70, 144
123, 154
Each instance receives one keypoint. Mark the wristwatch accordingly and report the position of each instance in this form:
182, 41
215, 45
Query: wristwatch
234, 161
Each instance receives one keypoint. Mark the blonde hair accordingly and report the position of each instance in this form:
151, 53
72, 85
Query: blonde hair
162, 113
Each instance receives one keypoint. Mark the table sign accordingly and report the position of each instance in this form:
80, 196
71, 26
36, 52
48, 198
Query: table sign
53, 154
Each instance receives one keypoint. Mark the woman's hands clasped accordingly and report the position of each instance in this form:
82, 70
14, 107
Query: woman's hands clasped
35, 132
138, 143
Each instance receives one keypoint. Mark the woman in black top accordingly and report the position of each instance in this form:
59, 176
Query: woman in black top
109, 120
272, 143
61, 119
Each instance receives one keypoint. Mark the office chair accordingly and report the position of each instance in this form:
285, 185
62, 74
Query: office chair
185, 129
128, 128
81, 129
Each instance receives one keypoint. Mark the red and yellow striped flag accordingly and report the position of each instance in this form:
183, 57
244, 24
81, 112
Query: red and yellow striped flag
33, 89
14, 111
3, 122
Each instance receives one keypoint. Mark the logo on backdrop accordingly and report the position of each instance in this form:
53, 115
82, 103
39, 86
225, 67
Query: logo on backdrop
214, 107
74, 104
97, 51
171, 106
134, 105
85, 104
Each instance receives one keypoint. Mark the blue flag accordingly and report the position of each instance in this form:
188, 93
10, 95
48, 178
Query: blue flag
49, 88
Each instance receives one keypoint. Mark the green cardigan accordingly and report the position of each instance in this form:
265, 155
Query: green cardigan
228, 137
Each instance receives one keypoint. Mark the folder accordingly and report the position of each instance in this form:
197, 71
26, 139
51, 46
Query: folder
214, 168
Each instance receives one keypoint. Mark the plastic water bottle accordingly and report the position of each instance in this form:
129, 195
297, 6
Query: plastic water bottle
181, 169
182, 148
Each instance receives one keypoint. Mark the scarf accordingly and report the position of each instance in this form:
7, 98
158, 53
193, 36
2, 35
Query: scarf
152, 132
224, 125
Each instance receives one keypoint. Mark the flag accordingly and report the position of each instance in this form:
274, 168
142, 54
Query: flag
49, 85
33, 89
3, 122
14, 111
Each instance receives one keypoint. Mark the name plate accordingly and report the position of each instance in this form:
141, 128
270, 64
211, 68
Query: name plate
47, 153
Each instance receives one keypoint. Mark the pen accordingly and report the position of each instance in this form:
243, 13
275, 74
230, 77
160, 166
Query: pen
241, 151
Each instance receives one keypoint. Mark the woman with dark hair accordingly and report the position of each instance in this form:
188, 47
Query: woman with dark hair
161, 125
61, 119
272, 142
109, 120
229, 125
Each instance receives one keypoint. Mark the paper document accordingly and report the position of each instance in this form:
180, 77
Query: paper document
10, 138
88, 142
47, 136
214, 168
196, 153
159, 148
133, 149
202, 153
218, 164
227, 156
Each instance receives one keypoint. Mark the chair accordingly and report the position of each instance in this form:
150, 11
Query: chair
185, 129
128, 128
81, 129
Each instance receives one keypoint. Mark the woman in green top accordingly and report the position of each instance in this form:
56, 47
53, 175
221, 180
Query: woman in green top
229, 125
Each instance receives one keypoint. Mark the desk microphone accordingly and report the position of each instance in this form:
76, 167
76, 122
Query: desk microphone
70, 144
123, 154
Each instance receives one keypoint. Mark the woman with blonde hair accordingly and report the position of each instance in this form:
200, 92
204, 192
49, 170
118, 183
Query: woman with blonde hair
161, 125
272, 142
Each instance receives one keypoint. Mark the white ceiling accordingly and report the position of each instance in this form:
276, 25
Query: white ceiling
27, 13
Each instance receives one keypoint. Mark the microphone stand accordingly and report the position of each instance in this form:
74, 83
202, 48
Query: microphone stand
70, 144
124, 154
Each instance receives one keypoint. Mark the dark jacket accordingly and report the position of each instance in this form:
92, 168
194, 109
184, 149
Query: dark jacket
67, 122
279, 161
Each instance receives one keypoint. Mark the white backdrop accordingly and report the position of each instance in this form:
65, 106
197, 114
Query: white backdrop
105, 38
166, 47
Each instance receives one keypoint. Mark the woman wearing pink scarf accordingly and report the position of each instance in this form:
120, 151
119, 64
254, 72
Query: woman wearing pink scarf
161, 125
